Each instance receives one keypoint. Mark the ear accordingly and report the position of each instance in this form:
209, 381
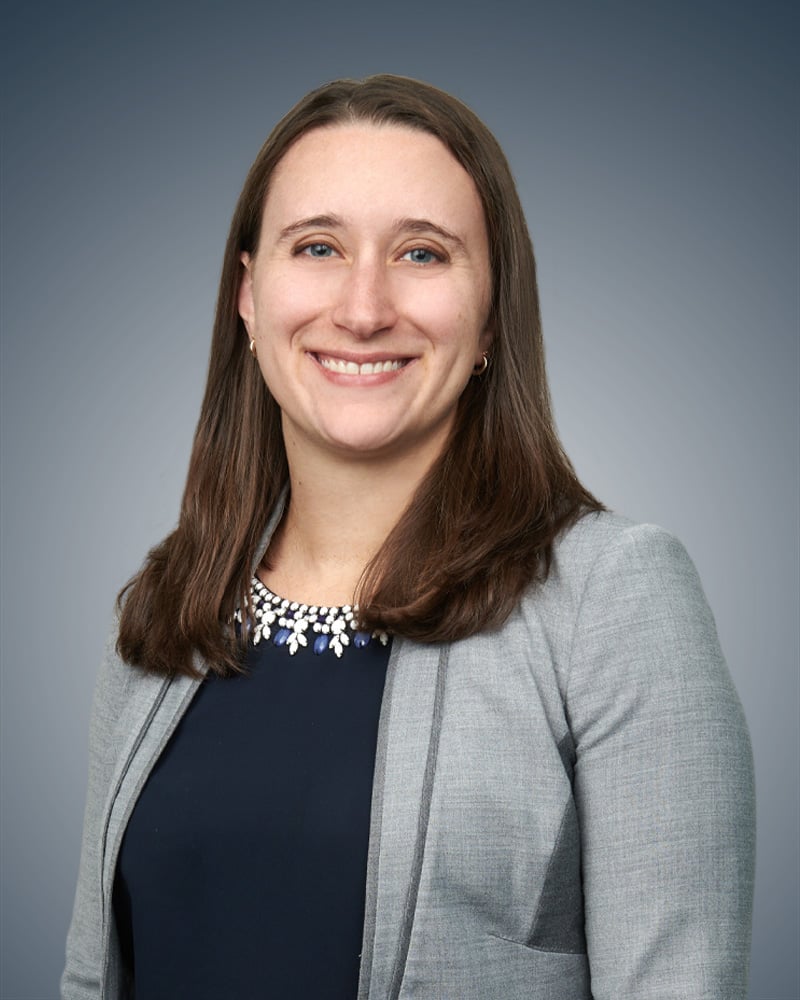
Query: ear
485, 342
246, 306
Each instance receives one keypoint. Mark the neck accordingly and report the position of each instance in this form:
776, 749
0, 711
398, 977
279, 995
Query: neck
340, 513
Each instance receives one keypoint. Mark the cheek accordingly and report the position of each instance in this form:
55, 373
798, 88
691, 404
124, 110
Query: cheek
452, 318
284, 306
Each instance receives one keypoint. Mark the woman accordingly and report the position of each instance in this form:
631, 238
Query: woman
399, 709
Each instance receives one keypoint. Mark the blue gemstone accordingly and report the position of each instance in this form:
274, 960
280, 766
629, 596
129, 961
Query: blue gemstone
321, 643
361, 639
281, 636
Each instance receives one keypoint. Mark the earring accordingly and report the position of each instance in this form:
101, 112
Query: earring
482, 365
252, 347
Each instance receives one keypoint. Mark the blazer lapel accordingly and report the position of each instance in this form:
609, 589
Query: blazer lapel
405, 764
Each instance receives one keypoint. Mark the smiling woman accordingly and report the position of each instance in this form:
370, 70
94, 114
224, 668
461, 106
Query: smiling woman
388, 269
399, 709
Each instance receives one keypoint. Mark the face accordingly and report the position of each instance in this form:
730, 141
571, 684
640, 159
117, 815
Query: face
369, 292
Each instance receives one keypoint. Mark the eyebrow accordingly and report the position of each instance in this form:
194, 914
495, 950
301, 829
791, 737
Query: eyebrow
406, 225
422, 226
312, 222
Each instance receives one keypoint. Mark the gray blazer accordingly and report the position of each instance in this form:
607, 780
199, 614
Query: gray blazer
562, 808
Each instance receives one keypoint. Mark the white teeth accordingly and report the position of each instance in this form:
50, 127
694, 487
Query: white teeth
368, 368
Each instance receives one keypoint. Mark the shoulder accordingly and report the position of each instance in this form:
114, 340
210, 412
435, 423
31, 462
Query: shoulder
603, 542
605, 559
638, 631
117, 680
122, 694
611, 563
623, 606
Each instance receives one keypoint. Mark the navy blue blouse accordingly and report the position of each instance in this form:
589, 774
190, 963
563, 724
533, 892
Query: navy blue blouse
242, 872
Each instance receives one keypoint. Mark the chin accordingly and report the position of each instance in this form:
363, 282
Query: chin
352, 433
363, 446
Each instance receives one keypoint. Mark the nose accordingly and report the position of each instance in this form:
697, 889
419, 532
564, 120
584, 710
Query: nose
364, 304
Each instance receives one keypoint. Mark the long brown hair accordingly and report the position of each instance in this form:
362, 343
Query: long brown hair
481, 525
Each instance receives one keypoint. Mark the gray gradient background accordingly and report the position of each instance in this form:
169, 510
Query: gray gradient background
656, 150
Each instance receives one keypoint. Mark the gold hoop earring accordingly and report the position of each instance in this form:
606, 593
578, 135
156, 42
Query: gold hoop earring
252, 347
482, 365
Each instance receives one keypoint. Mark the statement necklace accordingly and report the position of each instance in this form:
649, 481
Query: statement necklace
290, 624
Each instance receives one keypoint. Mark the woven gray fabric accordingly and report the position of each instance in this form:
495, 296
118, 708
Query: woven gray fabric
562, 808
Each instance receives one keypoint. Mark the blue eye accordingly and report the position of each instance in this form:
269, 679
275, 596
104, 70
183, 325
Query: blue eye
420, 255
318, 250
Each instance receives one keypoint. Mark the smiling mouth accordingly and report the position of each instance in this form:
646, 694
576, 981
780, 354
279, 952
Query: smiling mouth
342, 367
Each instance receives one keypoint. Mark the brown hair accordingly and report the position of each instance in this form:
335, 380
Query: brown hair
483, 520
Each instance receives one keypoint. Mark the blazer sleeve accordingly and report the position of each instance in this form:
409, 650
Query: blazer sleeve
663, 781
82, 977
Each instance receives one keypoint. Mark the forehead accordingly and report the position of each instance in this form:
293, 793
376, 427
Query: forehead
372, 170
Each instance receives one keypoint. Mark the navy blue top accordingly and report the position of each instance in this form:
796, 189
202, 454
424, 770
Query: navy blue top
242, 872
